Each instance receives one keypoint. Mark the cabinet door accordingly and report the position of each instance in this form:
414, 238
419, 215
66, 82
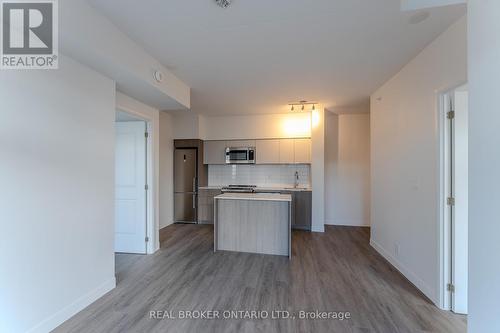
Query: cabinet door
206, 206
302, 210
267, 151
202, 206
214, 152
240, 143
302, 151
287, 151
292, 210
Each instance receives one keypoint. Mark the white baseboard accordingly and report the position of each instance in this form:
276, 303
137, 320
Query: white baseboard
348, 223
69, 311
315, 228
412, 277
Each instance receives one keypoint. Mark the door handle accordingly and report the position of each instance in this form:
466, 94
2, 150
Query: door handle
194, 201
194, 184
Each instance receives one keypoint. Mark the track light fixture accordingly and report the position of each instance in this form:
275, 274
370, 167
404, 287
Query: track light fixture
302, 105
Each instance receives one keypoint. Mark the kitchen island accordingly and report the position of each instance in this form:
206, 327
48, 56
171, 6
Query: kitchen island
253, 222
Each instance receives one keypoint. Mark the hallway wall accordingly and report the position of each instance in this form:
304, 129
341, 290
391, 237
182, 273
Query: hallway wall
57, 216
484, 163
347, 169
405, 158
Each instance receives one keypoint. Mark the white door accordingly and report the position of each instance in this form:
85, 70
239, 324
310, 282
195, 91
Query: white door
460, 210
130, 187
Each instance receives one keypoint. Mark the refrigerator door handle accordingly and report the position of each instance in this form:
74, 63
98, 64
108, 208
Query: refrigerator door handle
194, 201
194, 184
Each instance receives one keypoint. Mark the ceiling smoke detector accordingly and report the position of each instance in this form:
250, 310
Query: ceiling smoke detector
223, 3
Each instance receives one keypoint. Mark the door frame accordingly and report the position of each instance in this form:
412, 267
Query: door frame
152, 230
444, 213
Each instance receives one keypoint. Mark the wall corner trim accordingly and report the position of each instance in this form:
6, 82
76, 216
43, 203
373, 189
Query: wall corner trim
69, 311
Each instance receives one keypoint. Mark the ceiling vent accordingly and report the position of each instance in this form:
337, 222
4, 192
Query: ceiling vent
223, 3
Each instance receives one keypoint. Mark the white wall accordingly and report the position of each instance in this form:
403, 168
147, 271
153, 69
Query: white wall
331, 165
186, 125
166, 170
484, 163
56, 194
152, 116
318, 169
285, 125
405, 158
347, 169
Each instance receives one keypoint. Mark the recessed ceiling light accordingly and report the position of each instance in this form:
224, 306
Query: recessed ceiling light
223, 3
419, 17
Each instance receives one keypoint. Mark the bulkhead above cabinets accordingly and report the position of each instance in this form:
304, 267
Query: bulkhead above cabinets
267, 151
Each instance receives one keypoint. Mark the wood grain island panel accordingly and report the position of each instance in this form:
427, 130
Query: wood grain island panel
253, 223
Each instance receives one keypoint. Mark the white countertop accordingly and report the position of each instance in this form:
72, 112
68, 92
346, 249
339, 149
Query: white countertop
261, 188
255, 196
291, 188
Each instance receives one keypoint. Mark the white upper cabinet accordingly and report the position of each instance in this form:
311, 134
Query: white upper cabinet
214, 152
287, 151
273, 151
267, 151
302, 151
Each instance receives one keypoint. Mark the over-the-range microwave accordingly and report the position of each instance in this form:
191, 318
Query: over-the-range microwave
241, 155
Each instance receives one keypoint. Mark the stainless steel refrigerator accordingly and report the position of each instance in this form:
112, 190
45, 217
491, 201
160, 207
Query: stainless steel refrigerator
185, 185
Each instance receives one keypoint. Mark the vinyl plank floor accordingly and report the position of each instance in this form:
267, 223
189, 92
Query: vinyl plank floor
333, 271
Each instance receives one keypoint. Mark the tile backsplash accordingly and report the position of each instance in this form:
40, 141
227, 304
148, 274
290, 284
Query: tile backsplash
260, 175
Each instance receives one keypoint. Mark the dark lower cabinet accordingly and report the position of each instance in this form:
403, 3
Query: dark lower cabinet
206, 205
301, 210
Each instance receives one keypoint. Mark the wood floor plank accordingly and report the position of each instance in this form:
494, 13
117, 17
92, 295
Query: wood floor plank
333, 271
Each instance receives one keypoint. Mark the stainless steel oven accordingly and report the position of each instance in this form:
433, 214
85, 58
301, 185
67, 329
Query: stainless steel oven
242, 155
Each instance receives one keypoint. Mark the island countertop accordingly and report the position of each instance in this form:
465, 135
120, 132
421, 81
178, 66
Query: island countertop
255, 196
258, 189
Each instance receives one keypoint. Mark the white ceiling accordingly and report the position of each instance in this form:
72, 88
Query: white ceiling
256, 56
